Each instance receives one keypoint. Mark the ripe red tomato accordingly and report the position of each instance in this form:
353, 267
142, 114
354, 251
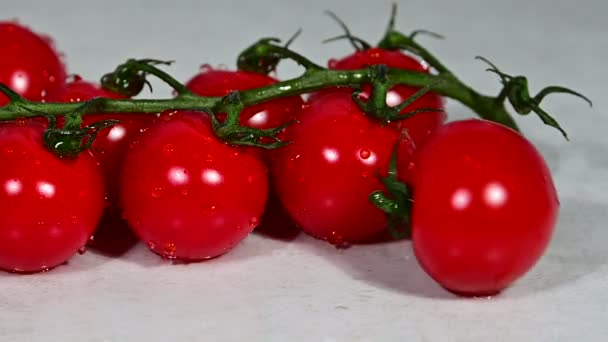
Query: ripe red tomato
111, 144
50, 205
484, 206
325, 176
188, 195
270, 114
418, 126
273, 113
30, 66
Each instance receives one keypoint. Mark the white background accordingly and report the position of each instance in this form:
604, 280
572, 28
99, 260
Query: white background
305, 290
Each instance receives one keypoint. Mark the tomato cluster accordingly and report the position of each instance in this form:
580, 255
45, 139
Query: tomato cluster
484, 204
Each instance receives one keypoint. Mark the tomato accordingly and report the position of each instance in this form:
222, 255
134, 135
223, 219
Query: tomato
111, 144
30, 66
270, 114
484, 206
418, 126
50, 205
325, 176
188, 195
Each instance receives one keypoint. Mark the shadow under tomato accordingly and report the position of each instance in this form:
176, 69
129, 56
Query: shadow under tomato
113, 237
577, 249
388, 265
276, 223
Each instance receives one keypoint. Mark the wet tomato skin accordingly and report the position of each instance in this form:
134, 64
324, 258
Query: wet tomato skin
325, 176
30, 66
188, 195
111, 144
50, 205
419, 126
484, 206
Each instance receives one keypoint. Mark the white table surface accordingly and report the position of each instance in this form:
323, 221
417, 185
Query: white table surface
305, 290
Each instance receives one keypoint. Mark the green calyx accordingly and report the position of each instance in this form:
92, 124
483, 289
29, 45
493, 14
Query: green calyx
377, 106
397, 204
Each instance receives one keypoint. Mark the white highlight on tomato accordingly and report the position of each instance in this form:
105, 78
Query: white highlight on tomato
116, 133
212, 177
45, 189
495, 194
461, 198
13, 187
19, 81
178, 175
393, 98
331, 155
258, 119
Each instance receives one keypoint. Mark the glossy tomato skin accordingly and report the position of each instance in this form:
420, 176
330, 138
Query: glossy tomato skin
325, 176
273, 113
30, 66
188, 195
419, 126
50, 205
111, 144
484, 206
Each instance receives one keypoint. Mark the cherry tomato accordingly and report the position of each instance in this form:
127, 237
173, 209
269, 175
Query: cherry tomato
50, 205
270, 114
188, 195
111, 144
273, 113
484, 206
418, 126
30, 66
325, 176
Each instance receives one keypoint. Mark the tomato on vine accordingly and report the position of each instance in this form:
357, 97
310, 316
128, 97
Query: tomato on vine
188, 195
325, 176
111, 144
419, 126
270, 114
484, 206
50, 205
30, 65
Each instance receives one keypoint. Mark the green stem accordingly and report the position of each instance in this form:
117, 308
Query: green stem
484, 106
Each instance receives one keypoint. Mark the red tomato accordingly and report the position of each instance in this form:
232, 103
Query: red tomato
418, 126
325, 176
111, 144
273, 113
484, 206
30, 66
50, 205
270, 114
188, 195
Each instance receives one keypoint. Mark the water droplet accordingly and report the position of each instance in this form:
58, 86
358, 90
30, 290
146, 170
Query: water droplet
305, 106
20, 122
40, 223
82, 250
411, 166
168, 150
294, 158
332, 63
209, 158
365, 153
253, 222
209, 210
238, 227
92, 239
74, 219
157, 191
184, 191
337, 240
169, 251
365, 174
151, 244
37, 162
